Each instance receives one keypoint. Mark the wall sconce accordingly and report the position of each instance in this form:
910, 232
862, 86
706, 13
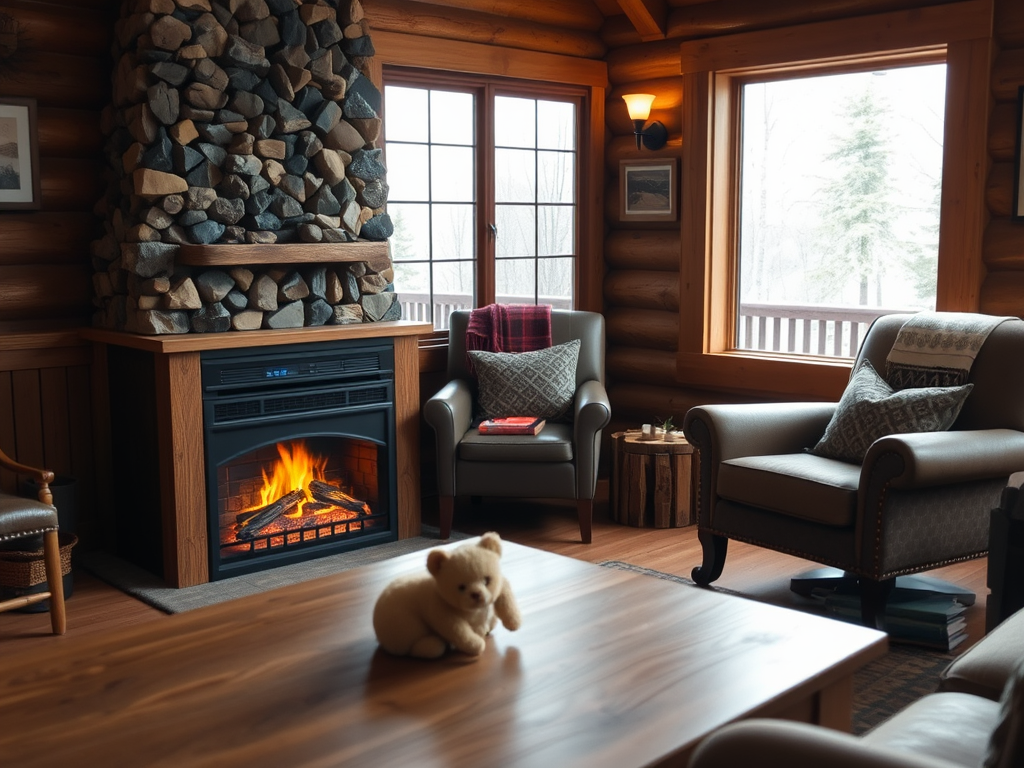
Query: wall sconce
654, 135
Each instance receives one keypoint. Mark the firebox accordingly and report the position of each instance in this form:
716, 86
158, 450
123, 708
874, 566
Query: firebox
300, 454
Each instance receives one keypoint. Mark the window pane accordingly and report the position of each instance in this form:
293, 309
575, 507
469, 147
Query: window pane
556, 125
405, 111
515, 122
412, 225
451, 174
516, 226
556, 178
555, 230
453, 289
451, 117
839, 205
408, 172
412, 284
515, 281
452, 231
515, 176
554, 282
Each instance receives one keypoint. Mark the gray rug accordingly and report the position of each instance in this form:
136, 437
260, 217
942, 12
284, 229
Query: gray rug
145, 586
881, 688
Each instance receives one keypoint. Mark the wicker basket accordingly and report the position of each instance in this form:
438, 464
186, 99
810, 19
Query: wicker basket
20, 570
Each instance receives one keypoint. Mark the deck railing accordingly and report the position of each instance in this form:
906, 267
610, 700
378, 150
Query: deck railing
416, 306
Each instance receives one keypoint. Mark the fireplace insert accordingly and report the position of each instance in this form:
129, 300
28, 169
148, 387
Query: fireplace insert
299, 450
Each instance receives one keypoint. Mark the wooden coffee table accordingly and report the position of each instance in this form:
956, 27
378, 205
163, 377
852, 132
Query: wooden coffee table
611, 668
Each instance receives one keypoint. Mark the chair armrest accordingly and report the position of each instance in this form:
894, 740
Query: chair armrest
756, 429
450, 413
591, 413
938, 458
780, 744
42, 476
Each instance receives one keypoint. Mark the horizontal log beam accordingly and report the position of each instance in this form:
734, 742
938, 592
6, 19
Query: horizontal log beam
643, 328
56, 80
657, 250
1002, 130
1008, 74
70, 185
46, 238
999, 190
648, 402
1009, 24
642, 290
573, 14
643, 365
1002, 293
426, 20
1003, 246
70, 133
28, 292
623, 147
643, 62
75, 31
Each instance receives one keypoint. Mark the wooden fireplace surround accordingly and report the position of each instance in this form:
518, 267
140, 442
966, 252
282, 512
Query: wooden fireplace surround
180, 424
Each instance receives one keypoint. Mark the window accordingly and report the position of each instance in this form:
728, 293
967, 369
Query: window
839, 195
484, 186
715, 72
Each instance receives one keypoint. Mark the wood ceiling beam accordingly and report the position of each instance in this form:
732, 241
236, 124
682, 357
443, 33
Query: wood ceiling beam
650, 17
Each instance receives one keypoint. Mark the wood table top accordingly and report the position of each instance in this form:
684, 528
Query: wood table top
610, 668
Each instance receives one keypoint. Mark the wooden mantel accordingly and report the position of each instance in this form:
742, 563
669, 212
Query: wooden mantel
180, 424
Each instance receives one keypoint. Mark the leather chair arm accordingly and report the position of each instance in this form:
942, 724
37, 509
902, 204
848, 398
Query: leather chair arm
780, 744
592, 411
757, 429
938, 458
450, 413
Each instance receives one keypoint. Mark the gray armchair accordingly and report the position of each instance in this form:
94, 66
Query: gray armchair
918, 501
561, 462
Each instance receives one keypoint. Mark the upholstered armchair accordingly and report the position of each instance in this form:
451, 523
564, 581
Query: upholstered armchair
560, 462
915, 502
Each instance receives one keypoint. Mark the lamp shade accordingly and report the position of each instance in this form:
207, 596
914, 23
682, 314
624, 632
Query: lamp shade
638, 105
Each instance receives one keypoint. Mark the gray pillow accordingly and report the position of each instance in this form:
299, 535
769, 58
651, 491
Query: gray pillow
870, 409
540, 383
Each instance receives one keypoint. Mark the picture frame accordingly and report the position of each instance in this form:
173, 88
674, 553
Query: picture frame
648, 190
1018, 171
19, 155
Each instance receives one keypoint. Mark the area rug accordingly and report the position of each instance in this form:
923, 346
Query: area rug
882, 687
148, 588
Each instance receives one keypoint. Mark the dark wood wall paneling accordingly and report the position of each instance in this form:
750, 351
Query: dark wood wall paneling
46, 409
643, 260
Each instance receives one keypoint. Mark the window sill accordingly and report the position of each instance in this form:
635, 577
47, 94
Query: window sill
765, 374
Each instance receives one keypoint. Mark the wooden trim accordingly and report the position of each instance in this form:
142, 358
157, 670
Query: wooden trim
279, 253
590, 264
830, 41
813, 378
407, 435
477, 58
695, 218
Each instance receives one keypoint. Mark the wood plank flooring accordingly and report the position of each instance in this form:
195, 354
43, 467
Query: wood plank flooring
552, 526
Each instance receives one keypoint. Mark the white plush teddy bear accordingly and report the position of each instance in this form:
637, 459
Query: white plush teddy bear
457, 603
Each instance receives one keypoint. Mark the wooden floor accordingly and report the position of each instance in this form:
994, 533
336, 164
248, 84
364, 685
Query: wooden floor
96, 607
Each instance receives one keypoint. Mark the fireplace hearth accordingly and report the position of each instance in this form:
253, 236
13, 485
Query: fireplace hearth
299, 446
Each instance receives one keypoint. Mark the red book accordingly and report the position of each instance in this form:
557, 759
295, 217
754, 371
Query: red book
512, 425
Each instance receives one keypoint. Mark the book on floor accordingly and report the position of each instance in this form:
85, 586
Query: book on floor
512, 425
931, 621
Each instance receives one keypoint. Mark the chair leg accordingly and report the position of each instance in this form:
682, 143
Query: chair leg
585, 511
715, 548
446, 507
54, 582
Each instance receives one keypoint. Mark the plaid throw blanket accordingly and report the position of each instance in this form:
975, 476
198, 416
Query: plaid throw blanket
937, 349
508, 328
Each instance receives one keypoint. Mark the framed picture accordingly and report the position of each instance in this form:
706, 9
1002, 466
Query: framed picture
19, 155
1018, 175
648, 190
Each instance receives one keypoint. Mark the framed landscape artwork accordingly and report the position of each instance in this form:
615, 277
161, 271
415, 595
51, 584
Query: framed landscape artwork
1018, 176
19, 155
648, 190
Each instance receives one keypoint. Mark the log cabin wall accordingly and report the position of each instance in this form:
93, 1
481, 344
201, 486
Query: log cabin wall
641, 288
57, 54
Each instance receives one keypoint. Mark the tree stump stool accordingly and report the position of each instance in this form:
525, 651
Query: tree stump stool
651, 481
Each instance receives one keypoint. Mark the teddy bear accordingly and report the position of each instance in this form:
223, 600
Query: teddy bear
456, 603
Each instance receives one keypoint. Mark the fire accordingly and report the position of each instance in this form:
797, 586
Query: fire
293, 471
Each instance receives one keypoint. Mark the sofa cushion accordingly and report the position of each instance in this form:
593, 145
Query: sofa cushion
952, 727
553, 443
1006, 747
798, 484
870, 409
985, 667
540, 383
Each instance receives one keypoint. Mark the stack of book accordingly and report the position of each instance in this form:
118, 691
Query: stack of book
911, 616
512, 425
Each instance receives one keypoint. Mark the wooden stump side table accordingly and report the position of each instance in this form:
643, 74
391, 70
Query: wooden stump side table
651, 481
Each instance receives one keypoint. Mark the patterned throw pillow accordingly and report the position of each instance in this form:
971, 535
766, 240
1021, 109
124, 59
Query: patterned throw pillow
870, 409
540, 383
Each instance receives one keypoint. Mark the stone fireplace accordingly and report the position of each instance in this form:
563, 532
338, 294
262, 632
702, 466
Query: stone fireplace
246, 188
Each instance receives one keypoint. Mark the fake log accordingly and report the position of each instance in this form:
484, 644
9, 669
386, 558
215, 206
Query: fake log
325, 492
268, 514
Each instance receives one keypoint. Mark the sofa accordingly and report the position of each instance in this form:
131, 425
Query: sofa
976, 718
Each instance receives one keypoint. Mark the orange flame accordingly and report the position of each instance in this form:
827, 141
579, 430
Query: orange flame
295, 469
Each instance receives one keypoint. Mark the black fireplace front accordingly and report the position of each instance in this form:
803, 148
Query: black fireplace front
300, 454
